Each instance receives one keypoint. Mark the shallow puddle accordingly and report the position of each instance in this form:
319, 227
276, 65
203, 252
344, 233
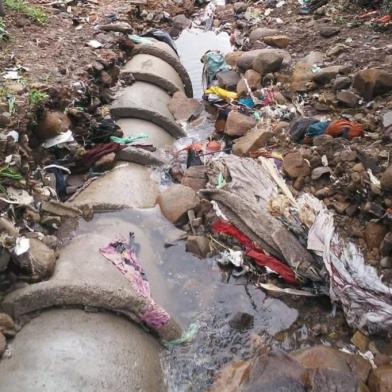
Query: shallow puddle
192, 45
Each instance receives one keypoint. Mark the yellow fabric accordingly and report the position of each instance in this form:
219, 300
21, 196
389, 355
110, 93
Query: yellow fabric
221, 92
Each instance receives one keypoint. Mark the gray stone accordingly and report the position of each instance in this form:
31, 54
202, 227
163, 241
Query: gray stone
265, 63
228, 79
342, 82
245, 61
387, 119
181, 21
329, 31
69, 350
176, 201
347, 98
166, 53
313, 58
327, 74
318, 172
157, 136
237, 124
184, 108
39, 260
127, 185
147, 102
259, 33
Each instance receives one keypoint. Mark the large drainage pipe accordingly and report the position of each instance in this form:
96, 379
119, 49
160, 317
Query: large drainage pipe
68, 350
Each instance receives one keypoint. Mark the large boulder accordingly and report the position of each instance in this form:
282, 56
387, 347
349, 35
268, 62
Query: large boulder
372, 82
176, 201
245, 61
265, 63
237, 124
328, 74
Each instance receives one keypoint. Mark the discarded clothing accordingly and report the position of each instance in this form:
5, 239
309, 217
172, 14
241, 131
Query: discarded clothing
91, 156
344, 128
248, 102
299, 127
255, 253
221, 93
317, 129
214, 62
122, 255
102, 132
129, 139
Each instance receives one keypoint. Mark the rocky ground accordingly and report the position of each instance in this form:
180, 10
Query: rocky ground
61, 61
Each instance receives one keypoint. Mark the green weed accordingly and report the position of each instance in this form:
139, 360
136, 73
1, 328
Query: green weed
37, 14
37, 97
10, 173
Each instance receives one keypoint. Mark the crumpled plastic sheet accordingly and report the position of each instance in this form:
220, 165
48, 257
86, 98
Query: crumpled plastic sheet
366, 300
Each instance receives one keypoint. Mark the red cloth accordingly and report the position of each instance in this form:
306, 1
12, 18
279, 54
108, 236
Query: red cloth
97, 152
256, 253
345, 128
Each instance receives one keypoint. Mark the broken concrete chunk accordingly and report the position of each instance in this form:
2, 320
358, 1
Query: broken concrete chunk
176, 201
184, 108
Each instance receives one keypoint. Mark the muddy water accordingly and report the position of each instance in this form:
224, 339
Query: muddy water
198, 291
192, 45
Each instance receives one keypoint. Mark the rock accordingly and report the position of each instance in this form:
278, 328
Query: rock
120, 27
253, 140
323, 357
386, 262
195, 177
318, 172
7, 325
387, 119
237, 124
380, 379
299, 183
265, 63
386, 179
342, 82
240, 6
374, 234
360, 341
358, 167
199, 245
259, 33
313, 58
347, 98
5, 258
245, 62
3, 344
302, 77
231, 58
181, 22
228, 79
184, 108
39, 260
106, 162
5, 119
253, 78
295, 165
278, 41
347, 156
327, 74
52, 124
386, 245
337, 50
329, 31
176, 201
372, 82
241, 321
